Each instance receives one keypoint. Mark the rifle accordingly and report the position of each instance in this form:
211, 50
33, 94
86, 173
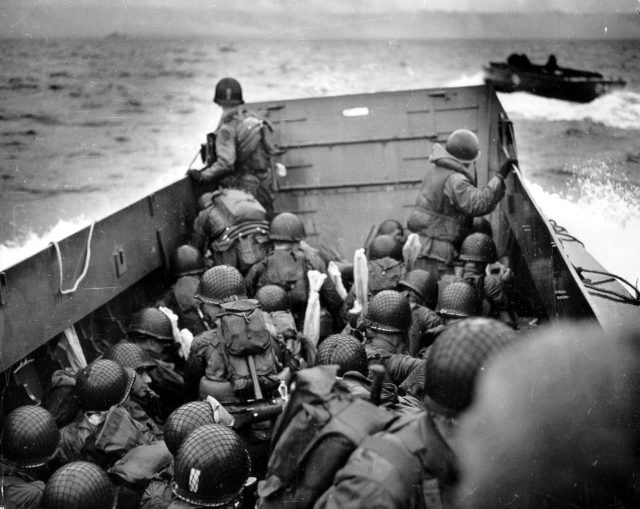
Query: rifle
249, 415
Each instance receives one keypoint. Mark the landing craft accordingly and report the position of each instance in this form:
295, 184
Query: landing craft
518, 74
353, 161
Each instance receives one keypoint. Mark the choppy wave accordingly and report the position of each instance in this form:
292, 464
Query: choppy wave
619, 109
31, 242
604, 215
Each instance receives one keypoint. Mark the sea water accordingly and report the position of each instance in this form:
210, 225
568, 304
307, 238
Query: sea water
88, 126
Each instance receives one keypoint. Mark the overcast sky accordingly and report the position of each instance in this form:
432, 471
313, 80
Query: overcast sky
585, 6
86, 18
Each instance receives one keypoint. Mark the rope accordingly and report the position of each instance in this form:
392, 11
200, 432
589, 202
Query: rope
84, 270
592, 286
565, 236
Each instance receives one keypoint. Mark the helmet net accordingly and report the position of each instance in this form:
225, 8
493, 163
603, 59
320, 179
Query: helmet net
211, 467
79, 485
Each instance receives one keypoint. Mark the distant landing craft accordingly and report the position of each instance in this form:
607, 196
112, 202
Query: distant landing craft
518, 74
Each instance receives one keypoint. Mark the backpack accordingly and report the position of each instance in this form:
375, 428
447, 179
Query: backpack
320, 427
417, 450
245, 333
242, 246
288, 270
384, 274
231, 207
254, 149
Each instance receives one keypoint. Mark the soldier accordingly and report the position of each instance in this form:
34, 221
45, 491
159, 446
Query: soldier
242, 151
107, 430
387, 322
456, 301
345, 351
79, 485
421, 288
187, 265
449, 200
411, 464
287, 266
143, 402
218, 285
30, 440
384, 266
216, 453
555, 423
477, 252
296, 351
179, 425
153, 331
395, 230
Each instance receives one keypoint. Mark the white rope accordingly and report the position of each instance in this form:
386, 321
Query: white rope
86, 263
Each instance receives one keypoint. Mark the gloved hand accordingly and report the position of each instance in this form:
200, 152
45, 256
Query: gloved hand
505, 169
195, 176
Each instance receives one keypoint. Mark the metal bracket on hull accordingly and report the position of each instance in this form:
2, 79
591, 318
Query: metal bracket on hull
120, 261
3, 285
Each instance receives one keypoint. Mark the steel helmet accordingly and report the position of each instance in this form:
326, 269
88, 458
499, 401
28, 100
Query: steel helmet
30, 437
211, 467
78, 485
456, 357
151, 322
273, 298
383, 246
424, 284
129, 355
457, 300
556, 421
220, 284
287, 227
482, 225
344, 350
388, 311
102, 384
463, 145
478, 247
186, 261
228, 92
389, 227
183, 420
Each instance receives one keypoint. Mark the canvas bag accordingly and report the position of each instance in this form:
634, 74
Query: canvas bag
245, 332
319, 429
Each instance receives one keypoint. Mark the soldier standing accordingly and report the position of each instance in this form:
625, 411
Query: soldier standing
242, 151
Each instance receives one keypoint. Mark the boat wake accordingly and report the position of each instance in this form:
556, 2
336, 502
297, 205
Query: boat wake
619, 109
30, 243
605, 216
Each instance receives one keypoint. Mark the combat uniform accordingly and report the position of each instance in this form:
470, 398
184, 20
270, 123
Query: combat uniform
243, 158
408, 466
445, 207
21, 489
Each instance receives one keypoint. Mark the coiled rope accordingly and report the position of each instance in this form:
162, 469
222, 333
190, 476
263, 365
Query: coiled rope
87, 259
565, 236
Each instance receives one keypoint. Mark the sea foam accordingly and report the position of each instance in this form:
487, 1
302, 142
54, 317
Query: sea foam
619, 109
605, 216
30, 243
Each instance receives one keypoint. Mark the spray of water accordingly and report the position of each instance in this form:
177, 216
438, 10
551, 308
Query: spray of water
603, 213
31, 242
619, 109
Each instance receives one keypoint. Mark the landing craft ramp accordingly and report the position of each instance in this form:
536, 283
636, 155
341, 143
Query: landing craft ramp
352, 161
